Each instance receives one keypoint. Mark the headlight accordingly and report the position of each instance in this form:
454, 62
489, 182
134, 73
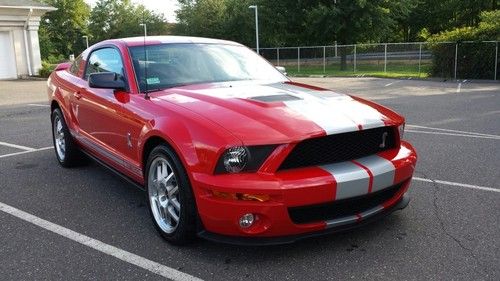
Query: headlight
243, 159
401, 129
235, 159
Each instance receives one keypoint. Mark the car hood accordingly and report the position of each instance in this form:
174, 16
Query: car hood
279, 112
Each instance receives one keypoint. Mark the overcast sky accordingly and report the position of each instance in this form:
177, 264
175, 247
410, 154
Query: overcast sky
166, 7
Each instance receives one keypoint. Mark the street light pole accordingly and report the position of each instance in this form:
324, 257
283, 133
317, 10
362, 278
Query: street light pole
145, 29
86, 40
256, 26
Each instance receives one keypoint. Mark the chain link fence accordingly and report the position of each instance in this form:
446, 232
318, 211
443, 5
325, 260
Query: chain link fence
450, 60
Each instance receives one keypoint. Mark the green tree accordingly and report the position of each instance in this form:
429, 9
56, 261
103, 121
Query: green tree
61, 31
436, 16
121, 18
476, 58
354, 21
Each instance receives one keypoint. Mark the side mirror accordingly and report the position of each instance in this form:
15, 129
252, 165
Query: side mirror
282, 70
106, 80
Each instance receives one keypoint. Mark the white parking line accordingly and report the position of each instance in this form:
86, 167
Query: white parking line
25, 152
40, 105
453, 131
458, 184
452, 134
22, 147
97, 245
392, 83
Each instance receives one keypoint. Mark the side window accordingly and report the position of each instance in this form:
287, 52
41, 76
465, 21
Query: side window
104, 60
75, 66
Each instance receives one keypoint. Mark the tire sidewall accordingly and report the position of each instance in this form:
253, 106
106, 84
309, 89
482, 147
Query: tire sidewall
72, 155
57, 113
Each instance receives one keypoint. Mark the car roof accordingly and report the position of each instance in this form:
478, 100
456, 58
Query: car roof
154, 40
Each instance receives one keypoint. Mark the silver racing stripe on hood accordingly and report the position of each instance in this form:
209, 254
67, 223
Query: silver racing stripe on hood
327, 116
334, 112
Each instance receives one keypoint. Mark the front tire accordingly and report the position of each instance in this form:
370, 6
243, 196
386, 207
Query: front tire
67, 152
170, 197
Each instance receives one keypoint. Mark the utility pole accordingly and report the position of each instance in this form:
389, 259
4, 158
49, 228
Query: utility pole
256, 26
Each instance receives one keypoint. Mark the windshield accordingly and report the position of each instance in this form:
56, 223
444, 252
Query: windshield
170, 65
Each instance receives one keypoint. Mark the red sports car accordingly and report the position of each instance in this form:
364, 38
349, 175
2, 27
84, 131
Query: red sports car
226, 146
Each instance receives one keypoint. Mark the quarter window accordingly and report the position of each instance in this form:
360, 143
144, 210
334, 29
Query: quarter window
104, 60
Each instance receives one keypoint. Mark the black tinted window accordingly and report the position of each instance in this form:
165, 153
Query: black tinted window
104, 60
168, 65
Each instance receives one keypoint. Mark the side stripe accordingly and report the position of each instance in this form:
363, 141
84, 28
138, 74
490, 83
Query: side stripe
383, 171
351, 179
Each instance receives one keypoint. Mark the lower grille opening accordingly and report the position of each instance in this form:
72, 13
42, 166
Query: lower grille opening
341, 208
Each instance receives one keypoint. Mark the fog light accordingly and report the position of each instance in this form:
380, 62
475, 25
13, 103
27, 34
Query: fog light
247, 220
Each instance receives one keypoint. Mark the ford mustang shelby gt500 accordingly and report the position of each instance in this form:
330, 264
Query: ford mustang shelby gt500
226, 146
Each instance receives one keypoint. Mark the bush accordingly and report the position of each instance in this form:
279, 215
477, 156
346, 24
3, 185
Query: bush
46, 69
475, 59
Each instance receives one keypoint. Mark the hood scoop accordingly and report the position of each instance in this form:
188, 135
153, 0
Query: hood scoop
275, 98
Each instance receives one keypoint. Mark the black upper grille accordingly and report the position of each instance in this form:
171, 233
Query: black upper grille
341, 208
339, 147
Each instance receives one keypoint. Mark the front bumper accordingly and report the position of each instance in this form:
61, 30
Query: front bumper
297, 188
280, 240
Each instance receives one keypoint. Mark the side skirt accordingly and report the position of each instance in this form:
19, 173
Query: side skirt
114, 171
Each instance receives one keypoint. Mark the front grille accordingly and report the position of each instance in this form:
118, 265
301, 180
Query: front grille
341, 208
339, 147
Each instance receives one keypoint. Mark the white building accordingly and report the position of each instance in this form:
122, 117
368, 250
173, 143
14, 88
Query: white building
19, 46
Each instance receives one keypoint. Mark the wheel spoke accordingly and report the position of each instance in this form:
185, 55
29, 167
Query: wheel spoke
169, 178
158, 173
176, 204
167, 216
158, 207
164, 171
172, 214
173, 191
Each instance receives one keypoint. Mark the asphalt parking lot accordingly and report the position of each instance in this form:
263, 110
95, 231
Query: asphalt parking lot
86, 223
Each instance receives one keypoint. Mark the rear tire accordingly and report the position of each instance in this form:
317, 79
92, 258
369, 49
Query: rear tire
67, 152
170, 197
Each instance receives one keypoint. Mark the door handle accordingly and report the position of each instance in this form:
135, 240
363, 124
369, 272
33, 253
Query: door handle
78, 95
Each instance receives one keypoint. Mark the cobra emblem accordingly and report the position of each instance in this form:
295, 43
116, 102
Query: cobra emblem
384, 137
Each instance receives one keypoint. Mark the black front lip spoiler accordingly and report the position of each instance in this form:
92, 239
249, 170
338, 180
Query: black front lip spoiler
267, 241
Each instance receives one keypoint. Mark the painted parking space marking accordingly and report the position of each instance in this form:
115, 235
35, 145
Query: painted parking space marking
25, 152
102, 247
39, 105
452, 134
450, 130
21, 147
392, 83
471, 186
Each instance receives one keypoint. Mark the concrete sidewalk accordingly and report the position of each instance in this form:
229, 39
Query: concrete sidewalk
23, 91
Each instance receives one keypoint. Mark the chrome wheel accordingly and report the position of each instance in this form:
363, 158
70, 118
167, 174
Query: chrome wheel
59, 140
163, 191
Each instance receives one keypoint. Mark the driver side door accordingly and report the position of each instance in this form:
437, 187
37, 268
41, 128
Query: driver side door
99, 111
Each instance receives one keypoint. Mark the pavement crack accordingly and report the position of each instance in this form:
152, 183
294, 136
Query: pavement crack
443, 226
